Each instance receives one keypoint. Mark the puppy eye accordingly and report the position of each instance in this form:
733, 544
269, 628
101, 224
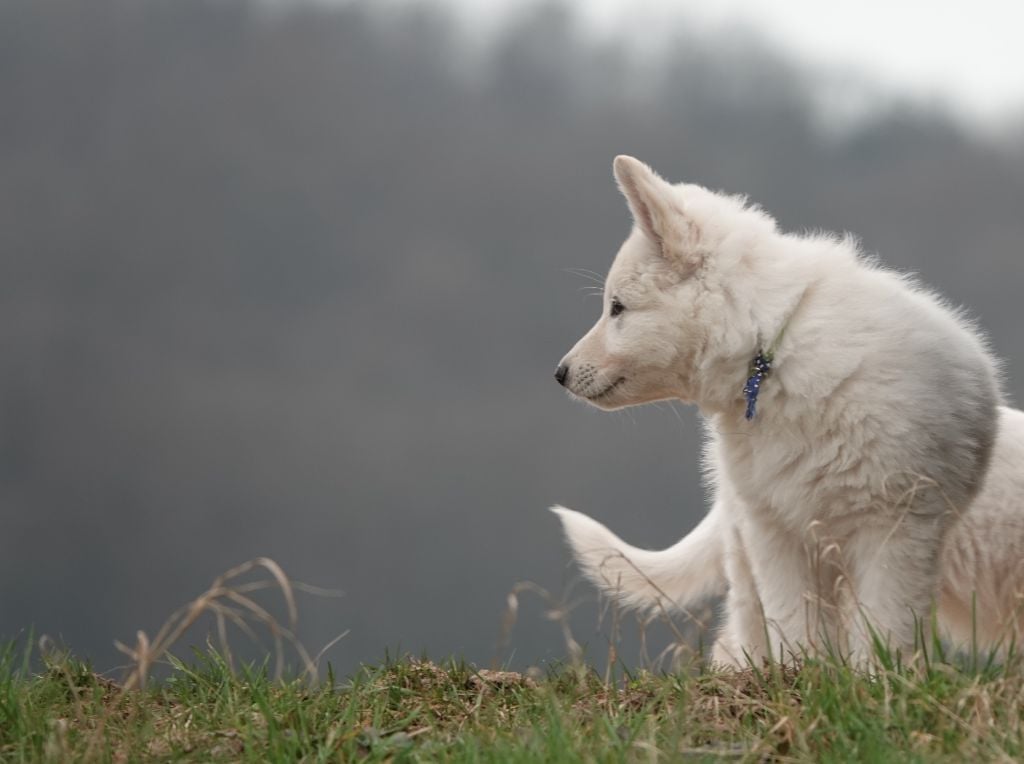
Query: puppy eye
617, 307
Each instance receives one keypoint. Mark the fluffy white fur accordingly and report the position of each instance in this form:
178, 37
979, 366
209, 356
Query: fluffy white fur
880, 477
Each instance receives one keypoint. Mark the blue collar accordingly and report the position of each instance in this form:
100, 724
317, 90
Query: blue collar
760, 367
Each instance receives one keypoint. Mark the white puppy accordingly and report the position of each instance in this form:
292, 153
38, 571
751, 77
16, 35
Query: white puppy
862, 466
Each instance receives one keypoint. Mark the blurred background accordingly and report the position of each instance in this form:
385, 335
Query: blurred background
291, 279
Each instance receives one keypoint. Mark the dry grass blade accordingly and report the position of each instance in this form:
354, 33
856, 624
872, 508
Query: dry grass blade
558, 610
227, 601
328, 646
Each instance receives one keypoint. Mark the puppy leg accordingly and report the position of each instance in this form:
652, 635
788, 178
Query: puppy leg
896, 584
742, 640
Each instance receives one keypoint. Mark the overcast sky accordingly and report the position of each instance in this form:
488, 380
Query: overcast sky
968, 55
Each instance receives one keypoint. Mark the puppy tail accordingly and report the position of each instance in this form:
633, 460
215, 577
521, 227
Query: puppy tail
672, 578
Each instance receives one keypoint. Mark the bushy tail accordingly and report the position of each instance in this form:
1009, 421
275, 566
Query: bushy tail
672, 578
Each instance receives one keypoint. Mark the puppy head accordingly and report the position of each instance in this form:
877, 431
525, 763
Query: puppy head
656, 316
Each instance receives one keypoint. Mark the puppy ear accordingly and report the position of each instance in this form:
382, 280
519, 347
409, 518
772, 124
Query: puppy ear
655, 207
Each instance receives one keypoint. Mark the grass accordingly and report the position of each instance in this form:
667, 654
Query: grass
55, 708
416, 710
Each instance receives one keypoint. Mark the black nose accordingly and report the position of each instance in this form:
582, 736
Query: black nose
561, 373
